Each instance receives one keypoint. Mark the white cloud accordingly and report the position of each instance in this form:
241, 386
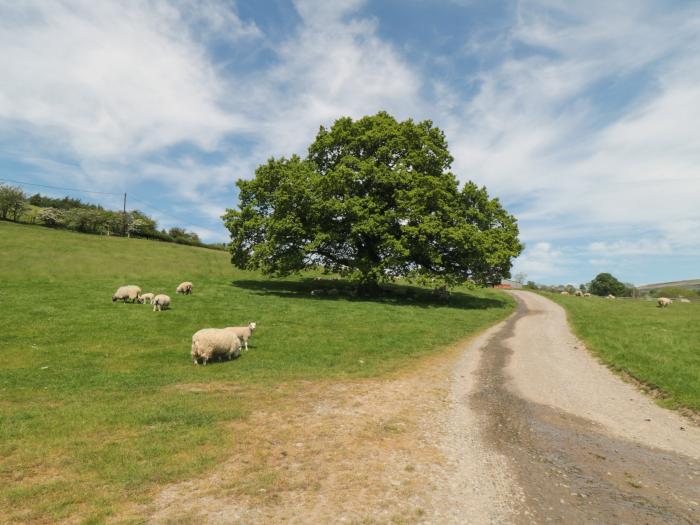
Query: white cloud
639, 247
542, 261
107, 81
542, 132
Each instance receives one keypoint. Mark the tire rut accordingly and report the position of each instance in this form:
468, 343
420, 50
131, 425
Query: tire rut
570, 470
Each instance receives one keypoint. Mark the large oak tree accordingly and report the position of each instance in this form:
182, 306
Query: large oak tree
374, 199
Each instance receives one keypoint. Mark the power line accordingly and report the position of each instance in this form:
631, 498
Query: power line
58, 188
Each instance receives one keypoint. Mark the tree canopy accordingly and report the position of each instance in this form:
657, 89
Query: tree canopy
605, 284
374, 199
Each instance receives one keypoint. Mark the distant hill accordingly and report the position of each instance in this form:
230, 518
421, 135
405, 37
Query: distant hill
691, 284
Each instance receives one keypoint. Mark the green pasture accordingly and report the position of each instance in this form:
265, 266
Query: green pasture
100, 403
658, 346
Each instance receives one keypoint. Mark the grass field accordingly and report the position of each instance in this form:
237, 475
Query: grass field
95, 409
657, 346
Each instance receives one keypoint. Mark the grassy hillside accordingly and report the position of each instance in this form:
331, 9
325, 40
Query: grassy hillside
658, 346
99, 401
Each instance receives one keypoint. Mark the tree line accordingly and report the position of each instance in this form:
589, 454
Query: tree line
74, 214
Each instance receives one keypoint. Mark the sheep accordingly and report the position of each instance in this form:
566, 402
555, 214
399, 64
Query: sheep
184, 288
160, 302
578, 293
128, 292
564, 293
610, 296
146, 297
587, 294
684, 300
664, 302
215, 342
245, 332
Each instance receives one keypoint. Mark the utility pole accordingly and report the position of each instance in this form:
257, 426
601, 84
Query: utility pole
124, 217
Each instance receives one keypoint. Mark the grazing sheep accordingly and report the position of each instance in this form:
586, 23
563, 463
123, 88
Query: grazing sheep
128, 292
610, 296
587, 294
564, 293
684, 300
209, 343
160, 302
664, 302
184, 288
146, 297
578, 293
245, 332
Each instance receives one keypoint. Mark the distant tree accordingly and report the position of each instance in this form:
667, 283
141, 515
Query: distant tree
374, 200
582, 287
51, 217
605, 284
531, 285
520, 277
13, 202
570, 288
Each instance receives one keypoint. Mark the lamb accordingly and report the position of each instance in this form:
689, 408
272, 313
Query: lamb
664, 302
128, 292
245, 332
147, 297
579, 293
184, 288
160, 302
209, 343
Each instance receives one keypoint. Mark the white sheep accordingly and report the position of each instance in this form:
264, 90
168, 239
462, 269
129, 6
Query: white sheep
126, 293
610, 296
209, 343
684, 300
184, 288
587, 294
564, 293
664, 302
146, 297
161, 302
245, 332
578, 293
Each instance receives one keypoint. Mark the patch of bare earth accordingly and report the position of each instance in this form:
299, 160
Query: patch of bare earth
402, 450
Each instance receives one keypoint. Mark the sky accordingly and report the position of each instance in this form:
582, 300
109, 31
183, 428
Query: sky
583, 118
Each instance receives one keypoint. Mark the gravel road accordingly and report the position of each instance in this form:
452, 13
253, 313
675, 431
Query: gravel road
518, 425
558, 438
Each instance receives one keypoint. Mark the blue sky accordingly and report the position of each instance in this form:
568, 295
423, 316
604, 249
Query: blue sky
582, 117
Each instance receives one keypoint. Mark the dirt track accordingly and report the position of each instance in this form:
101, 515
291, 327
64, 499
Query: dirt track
521, 425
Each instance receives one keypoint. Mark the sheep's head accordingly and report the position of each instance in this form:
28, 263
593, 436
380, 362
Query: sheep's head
114, 297
252, 326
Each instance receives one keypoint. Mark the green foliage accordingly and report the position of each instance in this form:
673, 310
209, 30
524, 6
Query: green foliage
13, 202
531, 285
656, 346
101, 404
65, 203
373, 200
673, 292
605, 284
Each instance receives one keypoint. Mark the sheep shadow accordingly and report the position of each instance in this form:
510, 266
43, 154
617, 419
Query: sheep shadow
335, 290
